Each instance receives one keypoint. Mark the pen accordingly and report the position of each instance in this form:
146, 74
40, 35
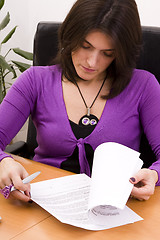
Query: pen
28, 179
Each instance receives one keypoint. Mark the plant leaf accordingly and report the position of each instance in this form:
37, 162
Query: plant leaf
10, 84
1, 3
22, 66
9, 35
14, 72
5, 21
4, 65
1, 95
22, 53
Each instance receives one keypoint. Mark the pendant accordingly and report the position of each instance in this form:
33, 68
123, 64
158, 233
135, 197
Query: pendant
88, 120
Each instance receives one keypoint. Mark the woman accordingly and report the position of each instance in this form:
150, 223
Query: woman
92, 95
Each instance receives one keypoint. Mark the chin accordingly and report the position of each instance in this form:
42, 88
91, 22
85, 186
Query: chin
86, 77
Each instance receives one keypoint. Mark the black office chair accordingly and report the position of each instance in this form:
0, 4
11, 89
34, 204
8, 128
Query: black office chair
45, 49
149, 60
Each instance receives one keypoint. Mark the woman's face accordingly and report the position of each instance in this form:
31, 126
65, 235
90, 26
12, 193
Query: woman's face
94, 56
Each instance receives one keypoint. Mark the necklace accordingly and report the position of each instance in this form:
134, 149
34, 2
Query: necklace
89, 118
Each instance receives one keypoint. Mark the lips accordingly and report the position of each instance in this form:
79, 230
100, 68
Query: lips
88, 69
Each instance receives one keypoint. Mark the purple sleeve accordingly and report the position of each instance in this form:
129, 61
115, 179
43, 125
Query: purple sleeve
15, 109
150, 119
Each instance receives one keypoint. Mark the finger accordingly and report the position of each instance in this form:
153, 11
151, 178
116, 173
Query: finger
21, 186
28, 193
18, 184
139, 176
132, 180
5, 183
144, 189
19, 195
24, 174
142, 193
137, 198
142, 198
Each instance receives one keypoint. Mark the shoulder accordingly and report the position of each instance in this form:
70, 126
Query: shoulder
142, 77
145, 85
36, 75
141, 85
142, 80
43, 70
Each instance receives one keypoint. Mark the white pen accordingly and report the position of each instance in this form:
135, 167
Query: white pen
28, 179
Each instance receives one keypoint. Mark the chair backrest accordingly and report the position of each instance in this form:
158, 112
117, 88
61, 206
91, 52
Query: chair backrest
45, 43
45, 49
150, 61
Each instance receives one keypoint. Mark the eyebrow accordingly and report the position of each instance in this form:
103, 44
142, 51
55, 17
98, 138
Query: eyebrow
109, 49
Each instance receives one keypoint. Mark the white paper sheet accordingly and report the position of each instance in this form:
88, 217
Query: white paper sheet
113, 166
66, 199
72, 200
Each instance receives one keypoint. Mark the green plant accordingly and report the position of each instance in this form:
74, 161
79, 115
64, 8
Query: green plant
10, 66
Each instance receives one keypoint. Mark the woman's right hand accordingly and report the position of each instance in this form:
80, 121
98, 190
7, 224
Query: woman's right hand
12, 172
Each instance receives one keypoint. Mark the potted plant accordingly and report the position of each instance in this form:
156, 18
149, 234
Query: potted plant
10, 66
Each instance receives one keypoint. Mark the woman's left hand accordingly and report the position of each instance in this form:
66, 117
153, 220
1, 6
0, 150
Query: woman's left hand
144, 184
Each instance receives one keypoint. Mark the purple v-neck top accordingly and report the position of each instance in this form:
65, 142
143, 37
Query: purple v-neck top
38, 91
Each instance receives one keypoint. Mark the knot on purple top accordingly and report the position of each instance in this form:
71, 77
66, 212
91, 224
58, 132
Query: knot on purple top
83, 162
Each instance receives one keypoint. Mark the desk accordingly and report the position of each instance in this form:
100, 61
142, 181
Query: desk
23, 221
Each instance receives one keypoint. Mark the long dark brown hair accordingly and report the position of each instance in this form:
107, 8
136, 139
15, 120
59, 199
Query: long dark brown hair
117, 18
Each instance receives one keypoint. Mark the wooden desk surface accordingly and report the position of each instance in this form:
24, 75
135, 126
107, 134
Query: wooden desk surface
21, 221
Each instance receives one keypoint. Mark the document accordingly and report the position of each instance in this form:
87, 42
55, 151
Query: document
98, 202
